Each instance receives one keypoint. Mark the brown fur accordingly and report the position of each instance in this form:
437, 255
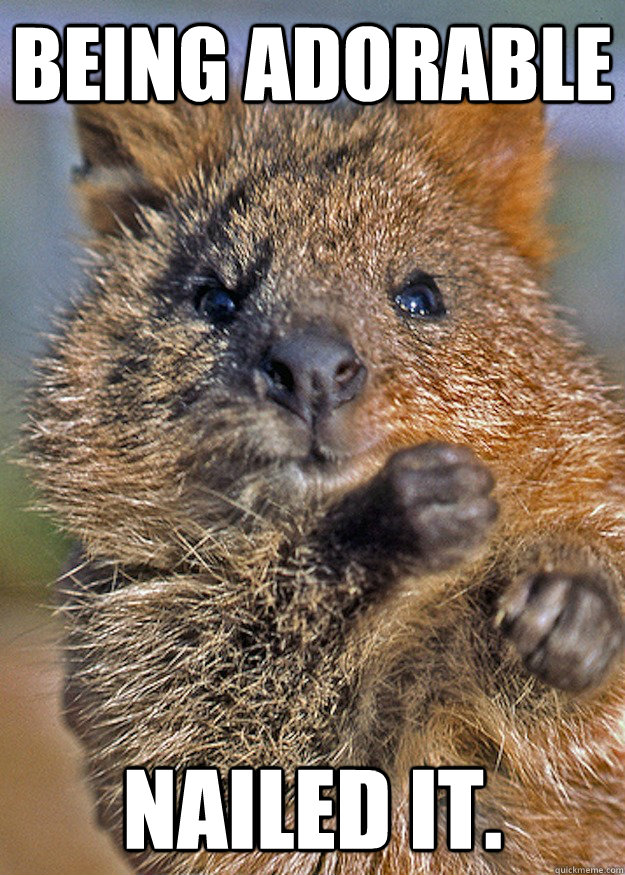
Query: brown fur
205, 625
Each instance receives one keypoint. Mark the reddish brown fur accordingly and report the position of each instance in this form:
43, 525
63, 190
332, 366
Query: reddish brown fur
194, 514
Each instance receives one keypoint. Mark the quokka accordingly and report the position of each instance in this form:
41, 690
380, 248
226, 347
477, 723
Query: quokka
345, 489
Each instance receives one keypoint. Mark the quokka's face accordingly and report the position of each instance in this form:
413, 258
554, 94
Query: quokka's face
287, 315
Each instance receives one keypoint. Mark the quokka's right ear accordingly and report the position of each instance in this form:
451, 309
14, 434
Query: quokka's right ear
135, 155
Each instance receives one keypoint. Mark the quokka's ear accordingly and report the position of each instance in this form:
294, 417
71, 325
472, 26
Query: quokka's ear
135, 155
498, 158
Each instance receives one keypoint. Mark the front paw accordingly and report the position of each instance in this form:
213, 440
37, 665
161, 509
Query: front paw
433, 503
567, 628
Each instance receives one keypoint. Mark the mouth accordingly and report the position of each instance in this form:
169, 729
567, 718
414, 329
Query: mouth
324, 472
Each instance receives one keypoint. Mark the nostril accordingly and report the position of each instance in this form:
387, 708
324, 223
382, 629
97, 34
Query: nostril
346, 371
280, 375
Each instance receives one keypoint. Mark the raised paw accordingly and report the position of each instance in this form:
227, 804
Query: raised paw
567, 628
433, 502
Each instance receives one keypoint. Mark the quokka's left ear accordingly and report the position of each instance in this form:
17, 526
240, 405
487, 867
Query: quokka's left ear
498, 158
135, 155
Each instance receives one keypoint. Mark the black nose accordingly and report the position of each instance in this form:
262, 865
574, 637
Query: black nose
312, 372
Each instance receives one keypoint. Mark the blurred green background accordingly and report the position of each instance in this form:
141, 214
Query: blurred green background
45, 820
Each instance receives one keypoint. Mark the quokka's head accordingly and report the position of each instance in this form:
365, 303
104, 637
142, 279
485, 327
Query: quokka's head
279, 297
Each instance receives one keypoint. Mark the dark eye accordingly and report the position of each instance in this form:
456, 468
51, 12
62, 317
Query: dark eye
213, 301
421, 298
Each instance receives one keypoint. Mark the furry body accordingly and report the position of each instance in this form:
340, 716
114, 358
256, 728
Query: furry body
226, 609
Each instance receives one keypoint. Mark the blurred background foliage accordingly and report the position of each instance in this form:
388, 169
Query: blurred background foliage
39, 228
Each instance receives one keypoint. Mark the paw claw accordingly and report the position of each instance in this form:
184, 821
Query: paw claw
437, 498
567, 629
